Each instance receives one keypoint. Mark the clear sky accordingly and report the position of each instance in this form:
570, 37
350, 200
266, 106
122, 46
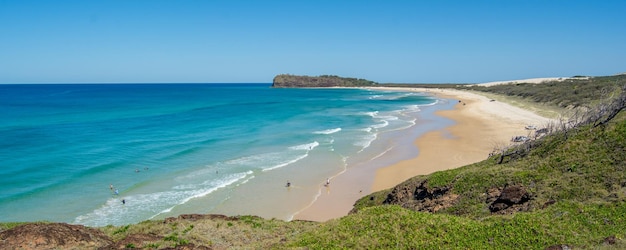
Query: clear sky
252, 41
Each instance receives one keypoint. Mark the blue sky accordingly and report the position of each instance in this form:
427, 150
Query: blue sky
252, 41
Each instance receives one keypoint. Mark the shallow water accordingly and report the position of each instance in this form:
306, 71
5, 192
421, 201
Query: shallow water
190, 148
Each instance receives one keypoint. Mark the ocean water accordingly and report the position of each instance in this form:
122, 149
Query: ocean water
101, 154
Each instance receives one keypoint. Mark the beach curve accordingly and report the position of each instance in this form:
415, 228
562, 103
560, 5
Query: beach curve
481, 125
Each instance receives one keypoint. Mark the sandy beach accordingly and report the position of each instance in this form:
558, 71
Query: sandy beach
481, 125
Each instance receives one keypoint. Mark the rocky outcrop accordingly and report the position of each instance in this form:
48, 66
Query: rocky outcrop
293, 81
508, 200
419, 197
53, 236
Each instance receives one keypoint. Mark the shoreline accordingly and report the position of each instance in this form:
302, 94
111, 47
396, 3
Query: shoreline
480, 126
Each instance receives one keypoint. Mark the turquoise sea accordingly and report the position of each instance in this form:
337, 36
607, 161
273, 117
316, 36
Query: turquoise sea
168, 149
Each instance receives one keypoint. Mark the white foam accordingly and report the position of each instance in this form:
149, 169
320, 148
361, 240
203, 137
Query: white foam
140, 207
246, 180
308, 146
201, 193
328, 131
430, 104
365, 141
385, 123
274, 160
371, 113
402, 95
286, 163
381, 154
412, 109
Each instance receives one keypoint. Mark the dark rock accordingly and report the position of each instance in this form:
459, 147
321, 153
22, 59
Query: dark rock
511, 199
548, 203
419, 197
611, 240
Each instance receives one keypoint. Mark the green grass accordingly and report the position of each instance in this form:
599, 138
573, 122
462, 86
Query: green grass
9, 225
236, 232
393, 227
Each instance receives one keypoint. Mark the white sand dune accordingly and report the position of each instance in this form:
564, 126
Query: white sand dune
530, 80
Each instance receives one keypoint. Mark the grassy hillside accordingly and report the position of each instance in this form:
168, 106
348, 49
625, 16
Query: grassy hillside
567, 188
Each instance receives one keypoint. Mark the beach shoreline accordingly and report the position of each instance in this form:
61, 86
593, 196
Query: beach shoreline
480, 126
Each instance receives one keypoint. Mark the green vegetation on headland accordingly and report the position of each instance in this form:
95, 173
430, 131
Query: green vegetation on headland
323, 81
572, 92
567, 188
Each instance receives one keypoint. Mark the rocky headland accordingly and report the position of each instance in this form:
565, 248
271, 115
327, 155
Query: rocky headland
323, 81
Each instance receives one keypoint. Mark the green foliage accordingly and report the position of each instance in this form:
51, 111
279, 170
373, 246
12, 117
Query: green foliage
178, 241
294, 81
9, 225
570, 93
392, 227
152, 246
121, 230
188, 229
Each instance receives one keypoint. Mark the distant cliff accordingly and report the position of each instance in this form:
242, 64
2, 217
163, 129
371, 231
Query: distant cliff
293, 81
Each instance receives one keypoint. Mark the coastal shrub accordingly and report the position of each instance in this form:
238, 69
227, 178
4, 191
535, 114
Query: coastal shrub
121, 230
9, 225
570, 93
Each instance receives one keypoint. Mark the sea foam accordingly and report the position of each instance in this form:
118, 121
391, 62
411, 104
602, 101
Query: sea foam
328, 131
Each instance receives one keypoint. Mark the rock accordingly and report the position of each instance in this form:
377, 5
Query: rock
511, 199
417, 196
548, 203
611, 240
53, 236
